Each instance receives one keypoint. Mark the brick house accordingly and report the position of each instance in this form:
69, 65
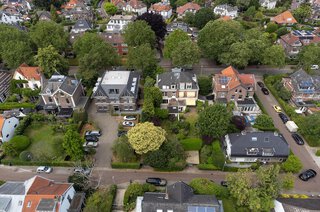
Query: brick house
116, 40
229, 85
117, 91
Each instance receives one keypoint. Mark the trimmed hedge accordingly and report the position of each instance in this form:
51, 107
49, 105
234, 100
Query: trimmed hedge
36, 163
190, 144
256, 98
318, 153
13, 105
24, 123
119, 165
204, 166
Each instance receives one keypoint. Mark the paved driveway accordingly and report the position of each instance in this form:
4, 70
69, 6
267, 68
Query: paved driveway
308, 163
108, 126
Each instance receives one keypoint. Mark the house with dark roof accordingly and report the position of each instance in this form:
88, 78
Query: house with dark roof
31, 74
44, 15
179, 90
81, 26
294, 41
226, 10
178, 197
302, 86
63, 92
188, 7
230, 85
116, 40
117, 91
191, 31
5, 79
251, 147
8, 124
77, 10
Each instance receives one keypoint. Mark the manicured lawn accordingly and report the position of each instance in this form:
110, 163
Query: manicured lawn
190, 144
228, 205
46, 145
192, 118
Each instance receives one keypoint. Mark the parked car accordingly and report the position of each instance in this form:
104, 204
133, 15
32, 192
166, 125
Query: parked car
90, 144
314, 67
156, 181
45, 169
297, 138
261, 85
224, 183
283, 117
129, 118
92, 138
277, 108
121, 133
265, 91
96, 133
80, 170
128, 124
307, 175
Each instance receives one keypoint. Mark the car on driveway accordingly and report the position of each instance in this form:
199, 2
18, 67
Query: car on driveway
277, 108
128, 124
261, 85
44, 169
307, 175
265, 91
314, 67
96, 133
80, 170
297, 138
121, 133
90, 144
283, 117
92, 138
156, 181
129, 118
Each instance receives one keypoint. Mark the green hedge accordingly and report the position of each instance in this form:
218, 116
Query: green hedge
190, 144
119, 165
204, 166
260, 104
16, 162
13, 105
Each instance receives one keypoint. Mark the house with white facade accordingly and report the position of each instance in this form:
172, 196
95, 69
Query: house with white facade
226, 10
188, 7
162, 8
269, 4
31, 74
117, 23
7, 18
7, 127
135, 6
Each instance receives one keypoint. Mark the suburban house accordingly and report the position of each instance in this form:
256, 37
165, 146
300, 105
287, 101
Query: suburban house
5, 79
294, 41
191, 31
285, 18
303, 86
135, 6
256, 146
81, 26
229, 85
7, 18
117, 41
117, 91
30, 74
247, 106
179, 90
188, 7
226, 10
269, 4
44, 15
163, 8
7, 127
76, 9
117, 23
178, 197
63, 92
120, 4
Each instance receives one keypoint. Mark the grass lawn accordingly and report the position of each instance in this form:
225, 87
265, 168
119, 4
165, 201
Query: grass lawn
190, 144
192, 118
45, 144
228, 205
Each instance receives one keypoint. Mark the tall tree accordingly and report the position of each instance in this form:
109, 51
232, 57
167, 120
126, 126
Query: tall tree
303, 12
203, 16
138, 33
214, 121
146, 137
310, 128
50, 61
186, 54
172, 41
274, 56
309, 55
46, 33
46, 4
156, 22
110, 8
239, 55
72, 144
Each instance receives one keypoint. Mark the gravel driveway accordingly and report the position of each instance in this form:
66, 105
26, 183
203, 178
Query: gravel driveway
109, 127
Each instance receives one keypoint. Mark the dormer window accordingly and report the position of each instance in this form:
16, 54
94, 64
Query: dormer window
252, 151
173, 86
189, 85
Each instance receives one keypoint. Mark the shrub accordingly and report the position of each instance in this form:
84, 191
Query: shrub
191, 144
208, 187
205, 85
13, 105
20, 142
218, 158
318, 153
133, 191
101, 200
123, 151
292, 164
203, 166
161, 113
26, 156
205, 154
239, 122
23, 124
80, 116
119, 165
264, 122
288, 181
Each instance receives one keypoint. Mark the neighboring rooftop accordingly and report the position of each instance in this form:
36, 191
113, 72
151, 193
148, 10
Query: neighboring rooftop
13, 188
116, 77
301, 80
29, 72
57, 81
43, 186
82, 24
176, 77
4, 203
46, 205
284, 18
188, 6
122, 17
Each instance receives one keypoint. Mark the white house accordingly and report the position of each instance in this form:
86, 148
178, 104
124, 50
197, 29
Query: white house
163, 8
135, 6
7, 127
226, 10
118, 22
30, 74
6, 18
269, 4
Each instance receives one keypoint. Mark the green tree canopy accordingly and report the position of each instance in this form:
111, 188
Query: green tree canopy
309, 55
123, 151
292, 164
146, 137
205, 85
238, 55
274, 56
138, 33
303, 12
50, 61
203, 16
310, 128
186, 54
172, 41
101, 200
214, 121
46, 33
72, 143
110, 8
264, 122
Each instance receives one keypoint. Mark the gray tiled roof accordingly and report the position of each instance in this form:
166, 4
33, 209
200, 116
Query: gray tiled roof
65, 83
14, 188
5, 79
300, 77
175, 78
240, 143
82, 24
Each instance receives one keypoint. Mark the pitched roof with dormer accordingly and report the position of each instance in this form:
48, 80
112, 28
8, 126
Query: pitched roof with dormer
160, 7
284, 18
29, 72
188, 6
136, 4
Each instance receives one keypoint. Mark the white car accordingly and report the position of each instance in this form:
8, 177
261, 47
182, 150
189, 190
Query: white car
314, 67
80, 170
128, 124
90, 144
45, 169
129, 118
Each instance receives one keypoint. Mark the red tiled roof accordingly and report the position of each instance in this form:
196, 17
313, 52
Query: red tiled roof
43, 186
188, 6
136, 4
225, 18
2, 119
70, 4
284, 18
158, 7
292, 39
118, 3
29, 72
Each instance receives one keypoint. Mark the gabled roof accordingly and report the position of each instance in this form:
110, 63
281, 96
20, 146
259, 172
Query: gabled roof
82, 24
302, 78
44, 186
13, 188
119, 3
29, 72
284, 18
188, 6
64, 83
136, 4
301, 36
5, 79
160, 6
175, 78
112, 38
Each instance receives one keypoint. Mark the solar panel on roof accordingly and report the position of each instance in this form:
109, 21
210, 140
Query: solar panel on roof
223, 80
201, 209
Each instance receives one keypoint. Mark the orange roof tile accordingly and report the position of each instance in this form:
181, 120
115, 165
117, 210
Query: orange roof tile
247, 79
230, 71
225, 18
284, 18
188, 6
2, 119
31, 202
29, 72
43, 186
70, 4
158, 7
